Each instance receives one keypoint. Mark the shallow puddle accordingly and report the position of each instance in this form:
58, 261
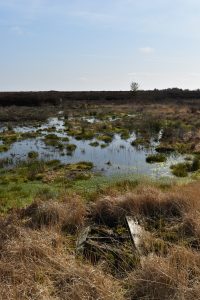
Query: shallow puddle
118, 157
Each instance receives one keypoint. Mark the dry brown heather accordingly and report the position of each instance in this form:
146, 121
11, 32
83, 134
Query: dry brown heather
37, 247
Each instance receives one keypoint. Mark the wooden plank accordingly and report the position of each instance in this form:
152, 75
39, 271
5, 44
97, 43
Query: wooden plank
135, 231
82, 238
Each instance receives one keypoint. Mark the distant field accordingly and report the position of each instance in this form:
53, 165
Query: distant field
56, 98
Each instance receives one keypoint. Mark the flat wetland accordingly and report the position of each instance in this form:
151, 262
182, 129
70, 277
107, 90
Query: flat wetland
82, 169
111, 150
50, 145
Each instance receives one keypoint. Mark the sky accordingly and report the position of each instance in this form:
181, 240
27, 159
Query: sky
99, 44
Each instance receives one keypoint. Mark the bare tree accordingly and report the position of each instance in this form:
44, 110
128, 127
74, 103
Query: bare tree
134, 86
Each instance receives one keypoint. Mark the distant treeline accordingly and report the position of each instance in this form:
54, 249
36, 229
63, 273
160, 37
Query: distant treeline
57, 98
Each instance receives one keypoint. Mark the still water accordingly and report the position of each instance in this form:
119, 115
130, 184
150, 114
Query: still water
118, 158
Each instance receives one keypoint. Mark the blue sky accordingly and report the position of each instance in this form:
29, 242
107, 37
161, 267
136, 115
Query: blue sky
99, 44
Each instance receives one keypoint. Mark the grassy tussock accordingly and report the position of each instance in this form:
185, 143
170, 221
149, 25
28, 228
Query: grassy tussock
38, 264
68, 214
148, 201
37, 247
173, 277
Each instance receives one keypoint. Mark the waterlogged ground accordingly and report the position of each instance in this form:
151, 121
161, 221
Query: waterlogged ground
116, 156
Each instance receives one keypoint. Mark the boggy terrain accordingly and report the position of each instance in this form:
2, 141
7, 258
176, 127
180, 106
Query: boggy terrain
75, 146
59, 178
39, 258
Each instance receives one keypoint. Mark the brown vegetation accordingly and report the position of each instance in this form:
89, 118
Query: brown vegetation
173, 277
67, 215
38, 261
57, 98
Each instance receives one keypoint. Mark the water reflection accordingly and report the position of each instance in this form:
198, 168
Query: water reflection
119, 157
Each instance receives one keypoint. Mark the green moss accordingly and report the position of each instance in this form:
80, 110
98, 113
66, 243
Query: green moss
65, 139
156, 158
85, 136
33, 154
180, 169
53, 163
60, 146
82, 165
51, 136
29, 135
52, 140
9, 137
94, 144
5, 161
73, 132
35, 169
104, 145
105, 138
195, 166
4, 148
46, 193
71, 147
52, 143
183, 147
140, 142
164, 148
14, 195
50, 129
125, 135
82, 176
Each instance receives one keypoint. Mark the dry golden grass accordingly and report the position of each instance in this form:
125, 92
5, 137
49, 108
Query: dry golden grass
173, 277
148, 201
68, 214
145, 201
40, 264
37, 247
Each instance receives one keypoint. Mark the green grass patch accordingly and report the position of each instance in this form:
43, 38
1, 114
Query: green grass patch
33, 154
94, 144
156, 158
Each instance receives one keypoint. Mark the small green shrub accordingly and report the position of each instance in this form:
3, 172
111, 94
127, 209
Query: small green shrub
71, 147
156, 158
180, 169
33, 154
94, 144
4, 148
105, 138
195, 165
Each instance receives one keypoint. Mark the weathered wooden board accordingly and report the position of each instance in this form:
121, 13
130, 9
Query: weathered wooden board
92, 234
82, 238
135, 231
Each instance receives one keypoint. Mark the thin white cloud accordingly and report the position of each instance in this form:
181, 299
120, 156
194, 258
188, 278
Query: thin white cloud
17, 30
146, 50
92, 16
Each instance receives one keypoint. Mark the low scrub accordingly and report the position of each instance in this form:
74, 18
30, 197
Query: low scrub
182, 169
156, 158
